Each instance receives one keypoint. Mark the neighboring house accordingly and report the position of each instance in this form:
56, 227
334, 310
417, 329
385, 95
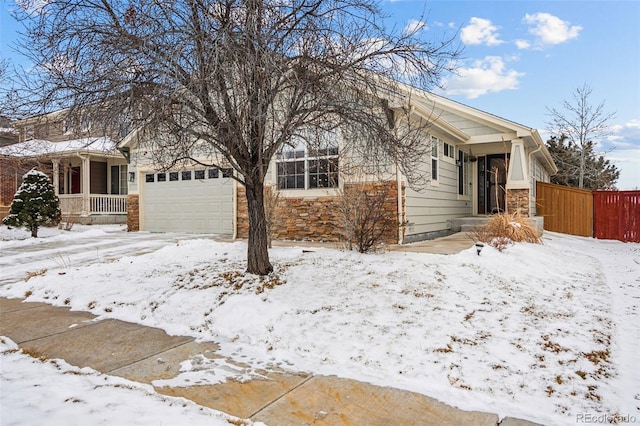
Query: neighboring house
88, 174
479, 164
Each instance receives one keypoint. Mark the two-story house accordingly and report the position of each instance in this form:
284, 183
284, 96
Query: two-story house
88, 174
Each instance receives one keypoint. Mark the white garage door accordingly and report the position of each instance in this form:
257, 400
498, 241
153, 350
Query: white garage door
188, 201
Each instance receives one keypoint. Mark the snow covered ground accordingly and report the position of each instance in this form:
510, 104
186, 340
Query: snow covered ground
548, 333
53, 392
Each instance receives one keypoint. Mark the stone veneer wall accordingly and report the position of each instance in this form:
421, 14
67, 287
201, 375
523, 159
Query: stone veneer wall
317, 218
133, 212
518, 199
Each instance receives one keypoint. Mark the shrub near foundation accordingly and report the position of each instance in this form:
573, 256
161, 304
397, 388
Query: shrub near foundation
504, 229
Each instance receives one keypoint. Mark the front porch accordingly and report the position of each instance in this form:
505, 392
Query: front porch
92, 189
94, 209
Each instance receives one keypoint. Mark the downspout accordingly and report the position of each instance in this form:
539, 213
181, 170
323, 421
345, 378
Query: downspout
400, 199
235, 209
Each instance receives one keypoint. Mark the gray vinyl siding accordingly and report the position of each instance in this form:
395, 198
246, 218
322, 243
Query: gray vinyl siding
537, 173
470, 127
429, 211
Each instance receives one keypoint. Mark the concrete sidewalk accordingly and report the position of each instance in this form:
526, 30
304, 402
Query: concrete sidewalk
278, 397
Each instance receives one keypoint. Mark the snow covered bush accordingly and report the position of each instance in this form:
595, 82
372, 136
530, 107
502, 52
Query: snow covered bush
35, 204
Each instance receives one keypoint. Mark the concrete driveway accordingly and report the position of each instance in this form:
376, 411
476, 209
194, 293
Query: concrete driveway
17, 260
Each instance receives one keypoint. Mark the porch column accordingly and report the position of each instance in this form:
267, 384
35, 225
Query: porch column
517, 196
56, 176
86, 184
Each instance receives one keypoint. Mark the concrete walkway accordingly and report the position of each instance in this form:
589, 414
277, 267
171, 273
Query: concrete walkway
145, 354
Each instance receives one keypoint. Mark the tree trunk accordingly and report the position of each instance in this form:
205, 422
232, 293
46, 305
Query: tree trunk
582, 167
34, 231
257, 251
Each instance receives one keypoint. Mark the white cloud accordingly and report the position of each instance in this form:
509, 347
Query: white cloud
480, 31
522, 44
623, 149
414, 26
549, 29
488, 75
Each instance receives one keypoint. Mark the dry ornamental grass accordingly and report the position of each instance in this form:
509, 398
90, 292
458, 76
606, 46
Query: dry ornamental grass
504, 229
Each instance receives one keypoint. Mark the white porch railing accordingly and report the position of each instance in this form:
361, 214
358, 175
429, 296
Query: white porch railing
108, 204
70, 203
95, 204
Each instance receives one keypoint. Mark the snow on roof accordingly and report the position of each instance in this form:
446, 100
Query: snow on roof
38, 148
11, 130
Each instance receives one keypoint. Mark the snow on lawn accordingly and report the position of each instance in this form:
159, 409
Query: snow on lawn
12, 237
56, 393
541, 332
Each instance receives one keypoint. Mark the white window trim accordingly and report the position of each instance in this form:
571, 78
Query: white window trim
29, 133
67, 126
453, 148
307, 191
468, 185
435, 182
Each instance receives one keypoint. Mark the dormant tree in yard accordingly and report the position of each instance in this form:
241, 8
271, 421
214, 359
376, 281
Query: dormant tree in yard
582, 124
229, 83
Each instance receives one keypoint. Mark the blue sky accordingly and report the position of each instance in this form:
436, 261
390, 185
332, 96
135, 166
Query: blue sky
521, 57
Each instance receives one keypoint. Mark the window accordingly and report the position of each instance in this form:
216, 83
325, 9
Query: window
149, 177
301, 168
227, 173
463, 173
199, 174
162, 177
449, 150
67, 126
213, 173
85, 124
173, 176
124, 125
29, 133
119, 176
434, 158
186, 175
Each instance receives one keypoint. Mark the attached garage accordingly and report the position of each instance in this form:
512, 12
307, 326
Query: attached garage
197, 201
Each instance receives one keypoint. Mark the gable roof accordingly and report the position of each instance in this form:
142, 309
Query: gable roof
41, 148
438, 109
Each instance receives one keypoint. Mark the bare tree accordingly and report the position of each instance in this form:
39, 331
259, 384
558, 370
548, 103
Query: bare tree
228, 83
581, 123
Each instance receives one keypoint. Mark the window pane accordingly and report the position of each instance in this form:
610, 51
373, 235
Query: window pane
199, 174
227, 173
213, 173
115, 180
162, 177
149, 177
186, 175
434, 169
173, 176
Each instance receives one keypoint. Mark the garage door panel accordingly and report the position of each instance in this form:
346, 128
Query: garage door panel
188, 205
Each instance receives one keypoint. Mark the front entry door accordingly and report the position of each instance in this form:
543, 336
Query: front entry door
492, 182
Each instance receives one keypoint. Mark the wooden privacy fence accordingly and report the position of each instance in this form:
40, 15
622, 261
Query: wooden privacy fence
616, 215
567, 210
613, 215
